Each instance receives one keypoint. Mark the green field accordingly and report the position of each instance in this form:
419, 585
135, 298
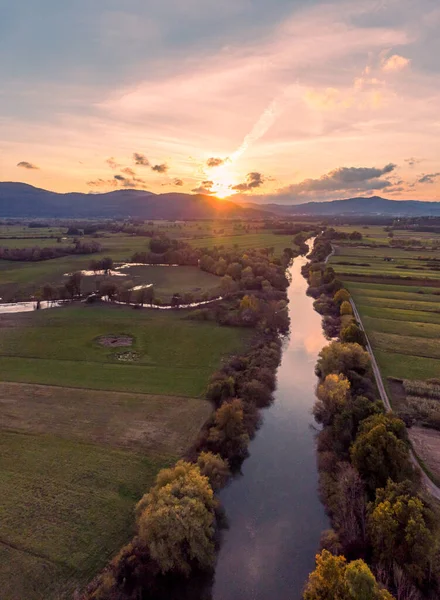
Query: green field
402, 318
59, 347
254, 240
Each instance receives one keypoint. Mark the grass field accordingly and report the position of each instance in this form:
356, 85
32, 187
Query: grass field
254, 240
175, 355
402, 317
79, 450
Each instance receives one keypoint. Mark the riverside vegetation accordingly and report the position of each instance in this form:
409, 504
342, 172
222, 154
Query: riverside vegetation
368, 484
178, 520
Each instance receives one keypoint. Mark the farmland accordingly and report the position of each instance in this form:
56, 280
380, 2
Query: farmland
20, 279
83, 434
397, 293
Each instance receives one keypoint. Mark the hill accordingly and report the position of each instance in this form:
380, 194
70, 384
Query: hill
19, 200
359, 206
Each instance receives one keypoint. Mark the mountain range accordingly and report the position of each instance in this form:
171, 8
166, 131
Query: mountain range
19, 200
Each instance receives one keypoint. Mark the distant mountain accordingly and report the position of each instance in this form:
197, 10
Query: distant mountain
358, 207
18, 200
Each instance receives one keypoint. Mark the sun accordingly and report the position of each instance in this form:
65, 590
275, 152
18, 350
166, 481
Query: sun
223, 182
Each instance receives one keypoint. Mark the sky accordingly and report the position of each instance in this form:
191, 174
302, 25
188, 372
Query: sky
283, 101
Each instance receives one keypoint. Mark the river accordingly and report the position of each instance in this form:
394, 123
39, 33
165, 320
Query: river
273, 509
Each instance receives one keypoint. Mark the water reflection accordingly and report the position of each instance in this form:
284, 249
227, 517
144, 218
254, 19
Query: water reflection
273, 508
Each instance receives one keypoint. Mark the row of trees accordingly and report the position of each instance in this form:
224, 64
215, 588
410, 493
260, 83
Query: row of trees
36, 253
367, 481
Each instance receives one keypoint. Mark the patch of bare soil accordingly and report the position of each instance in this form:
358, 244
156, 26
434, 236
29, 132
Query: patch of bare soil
397, 393
426, 444
115, 341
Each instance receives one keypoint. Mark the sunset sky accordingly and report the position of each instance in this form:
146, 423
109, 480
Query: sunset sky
281, 100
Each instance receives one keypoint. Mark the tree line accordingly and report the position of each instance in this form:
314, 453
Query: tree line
36, 253
367, 481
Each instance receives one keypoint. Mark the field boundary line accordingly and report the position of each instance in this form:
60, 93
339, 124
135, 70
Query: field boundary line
427, 482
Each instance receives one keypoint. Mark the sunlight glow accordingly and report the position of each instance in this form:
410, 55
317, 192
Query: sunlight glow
224, 181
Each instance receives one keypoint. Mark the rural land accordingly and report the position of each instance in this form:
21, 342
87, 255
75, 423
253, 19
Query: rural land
126, 343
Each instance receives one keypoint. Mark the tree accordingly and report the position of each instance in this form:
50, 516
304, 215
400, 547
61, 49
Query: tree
221, 266
381, 451
352, 334
332, 396
73, 284
145, 295
341, 296
49, 292
345, 309
234, 270
255, 391
176, 519
334, 579
228, 436
249, 303
188, 298
343, 358
108, 289
107, 264
220, 389
400, 528
315, 278
227, 284
214, 468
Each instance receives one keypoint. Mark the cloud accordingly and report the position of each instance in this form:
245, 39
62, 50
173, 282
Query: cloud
141, 159
163, 168
395, 63
253, 180
178, 182
102, 183
412, 162
130, 182
428, 178
342, 179
112, 163
216, 162
205, 188
27, 165
129, 172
